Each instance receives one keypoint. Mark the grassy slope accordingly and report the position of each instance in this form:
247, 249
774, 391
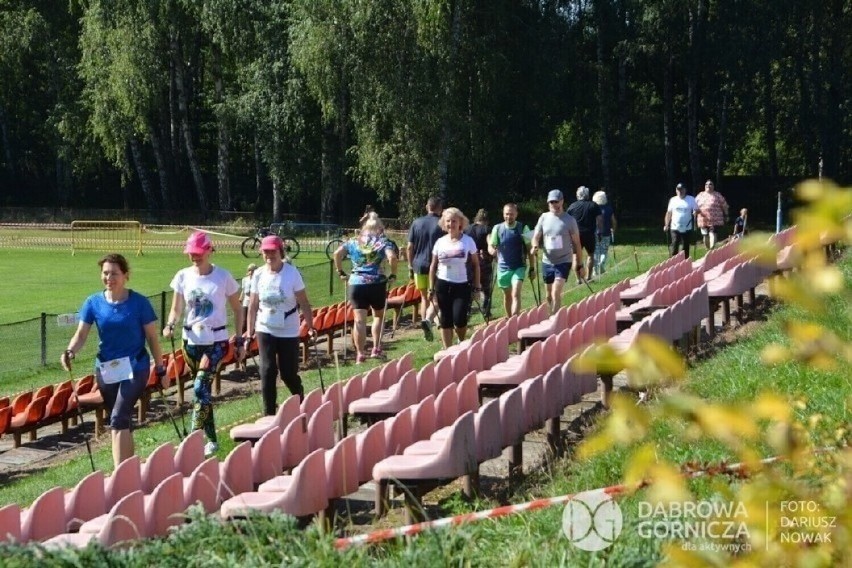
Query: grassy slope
731, 375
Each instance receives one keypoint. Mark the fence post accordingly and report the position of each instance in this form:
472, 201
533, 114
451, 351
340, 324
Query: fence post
331, 278
43, 339
163, 308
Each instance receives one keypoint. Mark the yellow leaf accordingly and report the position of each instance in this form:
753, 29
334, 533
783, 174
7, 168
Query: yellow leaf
639, 465
771, 407
594, 445
627, 422
775, 354
828, 280
667, 484
726, 424
757, 245
663, 356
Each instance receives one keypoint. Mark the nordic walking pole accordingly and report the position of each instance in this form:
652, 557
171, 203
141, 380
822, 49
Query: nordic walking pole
169, 411
82, 422
345, 314
378, 346
317, 359
177, 382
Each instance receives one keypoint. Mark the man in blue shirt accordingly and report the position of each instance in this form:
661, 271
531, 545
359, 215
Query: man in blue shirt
510, 242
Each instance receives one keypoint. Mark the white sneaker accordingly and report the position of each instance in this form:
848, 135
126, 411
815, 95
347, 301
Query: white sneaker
210, 448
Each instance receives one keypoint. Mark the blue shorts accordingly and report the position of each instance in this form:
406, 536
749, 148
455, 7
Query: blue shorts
551, 272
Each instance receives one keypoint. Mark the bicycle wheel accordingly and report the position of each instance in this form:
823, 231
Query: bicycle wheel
291, 246
250, 247
331, 247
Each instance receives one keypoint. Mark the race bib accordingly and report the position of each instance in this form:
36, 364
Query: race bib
204, 334
116, 370
274, 317
553, 242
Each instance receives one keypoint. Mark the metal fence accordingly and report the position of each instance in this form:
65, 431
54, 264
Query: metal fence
39, 341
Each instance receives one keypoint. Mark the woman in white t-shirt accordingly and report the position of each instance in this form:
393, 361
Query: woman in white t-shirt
277, 295
448, 280
205, 290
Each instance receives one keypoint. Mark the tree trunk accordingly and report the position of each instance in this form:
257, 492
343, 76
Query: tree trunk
769, 120
258, 177
174, 124
668, 121
447, 128
329, 173
183, 112
142, 172
277, 201
603, 95
693, 93
4, 140
723, 132
223, 163
162, 169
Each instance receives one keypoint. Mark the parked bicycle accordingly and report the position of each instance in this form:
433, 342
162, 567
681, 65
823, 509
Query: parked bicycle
251, 246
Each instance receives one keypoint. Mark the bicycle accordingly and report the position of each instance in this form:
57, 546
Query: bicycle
250, 247
333, 244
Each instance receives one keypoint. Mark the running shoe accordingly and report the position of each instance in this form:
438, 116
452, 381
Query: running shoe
210, 448
426, 326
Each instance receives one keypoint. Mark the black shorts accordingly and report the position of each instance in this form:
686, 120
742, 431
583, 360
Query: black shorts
363, 296
588, 241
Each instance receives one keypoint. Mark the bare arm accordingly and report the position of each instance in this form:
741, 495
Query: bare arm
393, 260
339, 255
174, 315
237, 308
77, 342
409, 254
474, 261
578, 251
305, 307
254, 303
433, 271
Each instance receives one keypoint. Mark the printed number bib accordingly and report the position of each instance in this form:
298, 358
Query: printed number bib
204, 334
553, 242
274, 317
116, 370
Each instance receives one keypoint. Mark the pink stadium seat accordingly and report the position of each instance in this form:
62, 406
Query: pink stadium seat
321, 428
305, 493
235, 473
85, 501
124, 522
202, 486
190, 453
370, 449
398, 432
159, 465
444, 373
164, 507
288, 410
10, 523
489, 433
311, 402
426, 381
294, 442
341, 467
45, 518
125, 479
423, 418
400, 395
446, 406
266, 457
468, 393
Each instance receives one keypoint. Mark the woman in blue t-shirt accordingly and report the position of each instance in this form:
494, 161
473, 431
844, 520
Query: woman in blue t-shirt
367, 283
125, 321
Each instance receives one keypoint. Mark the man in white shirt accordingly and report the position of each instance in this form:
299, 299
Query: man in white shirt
679, 220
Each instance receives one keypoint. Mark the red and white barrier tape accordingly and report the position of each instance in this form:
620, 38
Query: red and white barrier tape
411, 530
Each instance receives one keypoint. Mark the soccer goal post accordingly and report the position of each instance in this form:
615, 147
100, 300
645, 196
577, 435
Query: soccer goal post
106, 236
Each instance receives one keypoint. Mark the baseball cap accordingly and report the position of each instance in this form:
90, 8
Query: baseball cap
554, 195
271, 242
680, 186
198, 243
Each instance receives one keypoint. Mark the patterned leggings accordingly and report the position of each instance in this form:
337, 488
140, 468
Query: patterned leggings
601, 253
203, 361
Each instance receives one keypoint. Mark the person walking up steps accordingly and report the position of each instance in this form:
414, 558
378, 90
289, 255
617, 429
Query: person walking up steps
205, 290
587, 213
479, 231
511, 242
422, 235
557, 234
606, 234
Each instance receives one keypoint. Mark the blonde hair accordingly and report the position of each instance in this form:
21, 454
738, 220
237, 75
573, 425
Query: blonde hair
454, 212
599, 197
373, 224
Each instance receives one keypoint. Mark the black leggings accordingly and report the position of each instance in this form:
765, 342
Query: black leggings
278, 354
680, 241
454, 302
